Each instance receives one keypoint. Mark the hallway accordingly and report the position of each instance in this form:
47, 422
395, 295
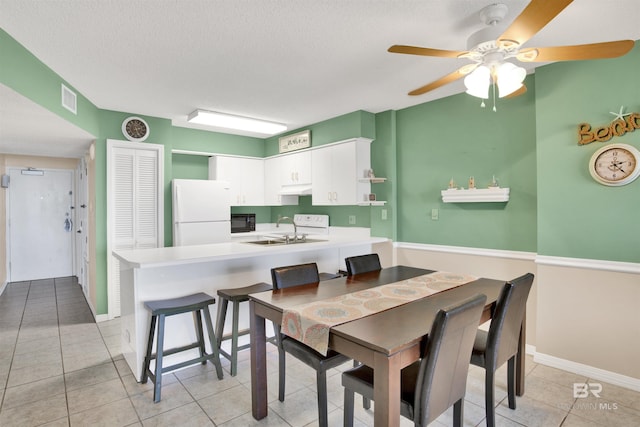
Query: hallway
59, 368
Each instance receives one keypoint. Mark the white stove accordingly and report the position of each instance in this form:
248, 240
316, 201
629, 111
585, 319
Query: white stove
311, 224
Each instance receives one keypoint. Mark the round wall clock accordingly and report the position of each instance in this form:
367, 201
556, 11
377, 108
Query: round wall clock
615, 164
135, 129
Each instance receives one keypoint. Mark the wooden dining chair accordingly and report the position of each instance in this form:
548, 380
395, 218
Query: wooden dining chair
287, 277
362, 264
499, 344
438, 380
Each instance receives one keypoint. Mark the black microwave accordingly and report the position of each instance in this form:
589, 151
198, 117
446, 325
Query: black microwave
243, 223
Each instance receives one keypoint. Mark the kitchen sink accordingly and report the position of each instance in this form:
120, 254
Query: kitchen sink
267, 242
280, 242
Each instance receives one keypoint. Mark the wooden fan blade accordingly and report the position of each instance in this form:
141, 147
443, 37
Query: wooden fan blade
449, 78
532, 19
424, 51
579, 52
518, 92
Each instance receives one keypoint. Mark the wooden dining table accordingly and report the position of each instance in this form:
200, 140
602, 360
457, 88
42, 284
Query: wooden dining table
387, 341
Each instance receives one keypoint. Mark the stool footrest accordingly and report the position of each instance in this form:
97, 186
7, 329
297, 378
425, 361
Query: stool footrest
204, 358
229, 357
240, 333
176, 350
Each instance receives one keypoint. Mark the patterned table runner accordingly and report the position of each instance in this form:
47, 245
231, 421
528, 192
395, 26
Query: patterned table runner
310, 323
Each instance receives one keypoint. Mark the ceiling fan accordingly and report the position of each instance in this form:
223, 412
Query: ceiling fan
491, 47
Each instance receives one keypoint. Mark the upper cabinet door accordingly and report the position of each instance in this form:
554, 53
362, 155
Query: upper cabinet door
246, 176
296, 168
273, 184
336, 170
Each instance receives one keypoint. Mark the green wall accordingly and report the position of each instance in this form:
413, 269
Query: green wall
455, 138
529, 144
358, 123
384, 164
577, 217
27, 75
187, 166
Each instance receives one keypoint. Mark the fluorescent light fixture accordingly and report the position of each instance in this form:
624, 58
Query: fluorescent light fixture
230, 121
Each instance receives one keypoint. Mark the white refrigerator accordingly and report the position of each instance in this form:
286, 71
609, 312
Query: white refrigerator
201, 212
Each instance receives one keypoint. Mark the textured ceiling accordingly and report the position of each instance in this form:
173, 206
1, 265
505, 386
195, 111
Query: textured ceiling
295, 62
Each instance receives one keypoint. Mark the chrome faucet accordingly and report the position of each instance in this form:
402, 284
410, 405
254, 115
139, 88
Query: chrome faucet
295, 227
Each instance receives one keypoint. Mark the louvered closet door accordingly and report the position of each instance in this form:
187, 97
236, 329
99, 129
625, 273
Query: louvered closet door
135, 206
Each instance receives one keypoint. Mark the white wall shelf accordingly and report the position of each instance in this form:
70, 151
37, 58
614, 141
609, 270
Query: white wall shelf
372, 203
475, 195
373, 180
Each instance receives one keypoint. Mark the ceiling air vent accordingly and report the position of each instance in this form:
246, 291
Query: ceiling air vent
69, 99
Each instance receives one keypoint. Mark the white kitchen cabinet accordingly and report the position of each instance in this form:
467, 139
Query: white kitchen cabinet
273, 184
337, 170
246, 176
296, 168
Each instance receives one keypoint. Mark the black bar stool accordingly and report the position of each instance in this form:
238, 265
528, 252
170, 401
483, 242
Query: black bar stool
235, 296
159, 310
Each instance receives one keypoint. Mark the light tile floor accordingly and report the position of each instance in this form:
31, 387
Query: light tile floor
59, 368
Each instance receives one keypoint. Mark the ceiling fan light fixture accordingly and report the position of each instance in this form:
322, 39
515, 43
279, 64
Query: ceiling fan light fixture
478, 82
230, 121
509, 78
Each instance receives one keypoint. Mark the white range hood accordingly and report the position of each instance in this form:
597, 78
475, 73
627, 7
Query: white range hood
295, 190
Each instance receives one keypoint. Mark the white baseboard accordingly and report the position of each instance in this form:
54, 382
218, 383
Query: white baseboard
586, 370
3, 287
101, 318
530, 349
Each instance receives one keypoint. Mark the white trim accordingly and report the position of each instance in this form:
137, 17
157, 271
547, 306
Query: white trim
530, 349
3, 287
495, 253
209, 154
588, 371
102, 318
592, 264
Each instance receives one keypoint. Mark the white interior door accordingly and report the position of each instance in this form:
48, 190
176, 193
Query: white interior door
40, 224
82, 226
135, 205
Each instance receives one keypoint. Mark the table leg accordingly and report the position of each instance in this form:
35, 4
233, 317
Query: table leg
258, 364
386, 390
520, 357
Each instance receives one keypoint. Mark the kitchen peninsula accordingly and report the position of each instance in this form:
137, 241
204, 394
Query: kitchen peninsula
152, 274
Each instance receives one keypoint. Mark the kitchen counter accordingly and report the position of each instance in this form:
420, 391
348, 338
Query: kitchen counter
162, 273
180, 255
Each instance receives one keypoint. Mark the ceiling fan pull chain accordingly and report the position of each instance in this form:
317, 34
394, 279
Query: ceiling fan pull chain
494, 98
